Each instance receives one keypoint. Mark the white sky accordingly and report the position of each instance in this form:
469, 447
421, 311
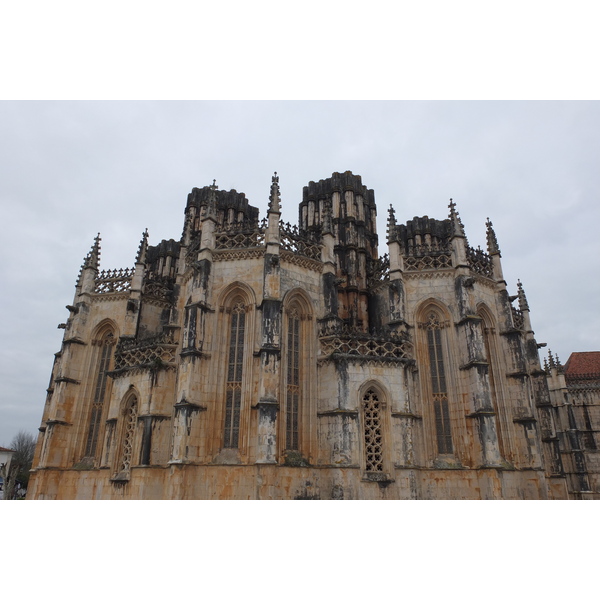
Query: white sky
70, 169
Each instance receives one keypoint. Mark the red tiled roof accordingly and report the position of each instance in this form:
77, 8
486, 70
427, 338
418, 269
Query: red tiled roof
583, 363
5, 449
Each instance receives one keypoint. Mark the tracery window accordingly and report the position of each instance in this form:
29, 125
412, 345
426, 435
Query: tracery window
129, 425
104, 354
438, 384
373, 432
235, 366
292, 400
588, 435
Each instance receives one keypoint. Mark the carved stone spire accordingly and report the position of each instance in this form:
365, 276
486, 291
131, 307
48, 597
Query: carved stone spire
143, 248
551, 362
458, 229
92, 260
492, 241
275, 196
211, 209
391, 225
521, 297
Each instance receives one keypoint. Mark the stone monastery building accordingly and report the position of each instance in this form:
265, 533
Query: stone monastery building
254, 359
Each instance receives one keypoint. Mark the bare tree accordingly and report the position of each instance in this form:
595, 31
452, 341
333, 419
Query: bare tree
17, 476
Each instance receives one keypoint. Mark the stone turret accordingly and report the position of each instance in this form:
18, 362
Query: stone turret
353, 213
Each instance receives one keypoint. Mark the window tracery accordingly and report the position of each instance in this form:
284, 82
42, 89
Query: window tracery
235, 366
105, 347
434, 327
292, 403
373, 432
128, 435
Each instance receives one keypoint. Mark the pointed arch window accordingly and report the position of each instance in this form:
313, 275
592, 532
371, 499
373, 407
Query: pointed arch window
129, 425
373, 432
235, 367
105, 346
439, 390
292, 389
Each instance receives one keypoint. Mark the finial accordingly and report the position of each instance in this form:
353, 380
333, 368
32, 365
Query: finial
275, 196
93, 257
142, 249
492, 241
391, 224
521, 296
551, 362
211, 208
458, 229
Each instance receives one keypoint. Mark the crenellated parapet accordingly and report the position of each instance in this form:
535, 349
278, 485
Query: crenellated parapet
480, 263
299, 242
344, 195
240, 234
113, 281
230, 206
155, 352
338, 339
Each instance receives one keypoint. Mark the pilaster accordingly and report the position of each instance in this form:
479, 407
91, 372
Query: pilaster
270, 349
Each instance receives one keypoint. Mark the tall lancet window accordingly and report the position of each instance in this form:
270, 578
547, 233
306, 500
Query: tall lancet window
373, 432
104, 352
235, 366
129, 425
438, 384
292, 400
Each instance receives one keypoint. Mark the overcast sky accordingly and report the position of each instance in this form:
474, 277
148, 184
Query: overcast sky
73, 169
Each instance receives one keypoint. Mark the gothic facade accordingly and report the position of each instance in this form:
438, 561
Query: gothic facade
575, 394
255, 359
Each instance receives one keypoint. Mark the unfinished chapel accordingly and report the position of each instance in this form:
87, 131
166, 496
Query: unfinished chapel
254, 359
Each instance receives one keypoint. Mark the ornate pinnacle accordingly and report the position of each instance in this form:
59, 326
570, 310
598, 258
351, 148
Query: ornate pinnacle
143, 248
458, 229
275, 196
91, 260
553, 361
391, 224
521, 296
93, 256
492, 241
211, 209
